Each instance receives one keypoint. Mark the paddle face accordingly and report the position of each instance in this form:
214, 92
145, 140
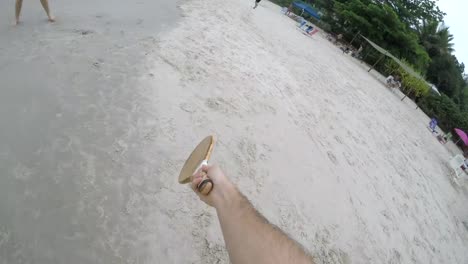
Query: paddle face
200, 153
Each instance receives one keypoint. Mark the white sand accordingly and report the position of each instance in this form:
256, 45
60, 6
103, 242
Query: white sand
94, 139
321, 148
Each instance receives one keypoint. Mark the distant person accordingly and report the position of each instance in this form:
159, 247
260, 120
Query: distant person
248, 235
417, 99
256, 3
433, 125
393, 82
338, 39
45, 5
357, 53
447, 137
389, 79
397, 81
288, 12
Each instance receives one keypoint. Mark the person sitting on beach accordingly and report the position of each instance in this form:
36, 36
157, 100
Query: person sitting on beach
357, 53
19, 4
389, 80
337, 39
447, 137
288, 12
248, 235
331, 38
397, 82
392, 82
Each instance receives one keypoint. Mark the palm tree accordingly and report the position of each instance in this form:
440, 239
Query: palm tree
436, 38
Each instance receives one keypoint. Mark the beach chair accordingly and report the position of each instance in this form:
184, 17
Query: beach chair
456, 164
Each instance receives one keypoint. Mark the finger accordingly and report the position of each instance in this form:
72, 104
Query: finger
211, 172
195, 183
200, 170
205, 168
197, 174
195, 177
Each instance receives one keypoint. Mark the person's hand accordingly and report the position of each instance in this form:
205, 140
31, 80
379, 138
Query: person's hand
223, 192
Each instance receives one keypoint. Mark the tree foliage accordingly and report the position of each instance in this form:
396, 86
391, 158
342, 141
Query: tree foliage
444, 70
414, 12
446, 111
380, 23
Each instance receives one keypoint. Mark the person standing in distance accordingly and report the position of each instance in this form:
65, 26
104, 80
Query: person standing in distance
256, 3
19, 4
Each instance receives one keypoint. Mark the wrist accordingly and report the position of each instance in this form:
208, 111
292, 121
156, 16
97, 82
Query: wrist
228, 198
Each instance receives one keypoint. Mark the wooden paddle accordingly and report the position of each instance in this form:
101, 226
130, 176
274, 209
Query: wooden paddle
199, 157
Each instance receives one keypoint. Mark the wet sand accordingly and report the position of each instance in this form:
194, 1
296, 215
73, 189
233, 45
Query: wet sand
94, 143
70, 94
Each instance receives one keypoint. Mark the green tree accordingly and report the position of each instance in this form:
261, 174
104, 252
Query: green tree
415, 12
381, 24
436, 38
446, 111
444, 69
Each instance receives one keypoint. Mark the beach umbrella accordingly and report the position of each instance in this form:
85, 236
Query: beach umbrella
462, 135
307, 9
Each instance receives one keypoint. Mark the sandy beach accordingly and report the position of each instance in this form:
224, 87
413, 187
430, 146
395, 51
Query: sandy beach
319, 145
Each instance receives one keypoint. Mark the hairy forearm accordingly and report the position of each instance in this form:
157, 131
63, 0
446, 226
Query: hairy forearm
250, 238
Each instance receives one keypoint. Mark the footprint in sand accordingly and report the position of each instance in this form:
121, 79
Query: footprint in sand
223, 106
395, 257
332, 157
187, 107
338, 139
249, 149
349, 159
336, 256
83, 31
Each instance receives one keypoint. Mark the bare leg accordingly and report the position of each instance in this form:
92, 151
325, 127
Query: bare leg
18, 5
45, 5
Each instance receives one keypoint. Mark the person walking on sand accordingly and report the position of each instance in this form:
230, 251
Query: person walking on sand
256, 3
45, 5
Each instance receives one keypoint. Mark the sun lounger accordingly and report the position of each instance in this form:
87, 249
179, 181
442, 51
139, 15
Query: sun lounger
456, 164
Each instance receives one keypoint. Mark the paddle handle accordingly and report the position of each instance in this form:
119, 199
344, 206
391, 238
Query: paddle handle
206, 184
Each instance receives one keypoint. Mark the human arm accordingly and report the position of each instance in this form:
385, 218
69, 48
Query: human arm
249, 237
